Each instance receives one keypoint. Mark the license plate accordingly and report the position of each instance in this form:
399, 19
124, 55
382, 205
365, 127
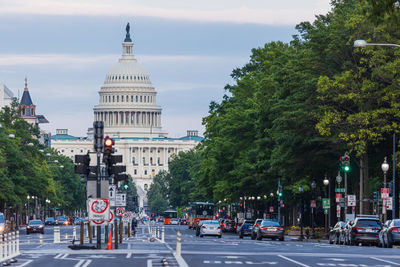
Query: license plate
369, 231
211, 228
271, 229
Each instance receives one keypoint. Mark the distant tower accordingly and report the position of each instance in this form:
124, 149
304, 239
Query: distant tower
28, 109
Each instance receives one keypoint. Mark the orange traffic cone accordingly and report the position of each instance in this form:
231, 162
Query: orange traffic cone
109, 244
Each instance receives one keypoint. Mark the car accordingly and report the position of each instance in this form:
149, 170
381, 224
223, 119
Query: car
2, 223
229, 226
255, 228
160, 219
334, 234
364, 230
198, 227
49, 221
211, 227
383, 234
174, 221
61, 220
270, 229
183, 221
78, 220
391, 235
35, 226
245, 228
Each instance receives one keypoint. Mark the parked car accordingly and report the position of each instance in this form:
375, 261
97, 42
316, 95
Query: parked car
35, 226
382, 234
229, 226
364, 230
183, 221
3, 226
334, 234
211, 227
391, 234
270, 229
245, 228
255, 228
61, 220
78, 220
49, 221
199, 226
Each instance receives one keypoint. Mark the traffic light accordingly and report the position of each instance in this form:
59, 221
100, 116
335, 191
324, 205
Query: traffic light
82, 164
126, 182
108, 145
376, 195
98, 135
111, 161
279, 190
345, 160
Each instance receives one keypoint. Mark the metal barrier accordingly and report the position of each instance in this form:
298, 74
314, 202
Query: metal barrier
57, 235
9, 246
162, 234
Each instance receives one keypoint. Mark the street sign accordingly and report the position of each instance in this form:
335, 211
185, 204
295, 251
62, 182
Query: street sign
326, 203
351, 200
120, 211
98, 209
271, 209
389, 203
326, 211
384, 193
112, 190
120, 199
338, 197
339, 190
338, 211
313, 204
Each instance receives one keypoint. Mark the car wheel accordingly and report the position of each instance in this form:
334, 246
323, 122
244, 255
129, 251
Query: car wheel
219, 236
241, 235
42, 233
201, 235
259, 237
282, 239
253, 237
330, 239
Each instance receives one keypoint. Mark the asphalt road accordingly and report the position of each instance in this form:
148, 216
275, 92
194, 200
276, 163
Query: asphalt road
39, 250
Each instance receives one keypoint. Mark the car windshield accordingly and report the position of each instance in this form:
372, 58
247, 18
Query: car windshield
60, 218
368, 223
212, 222
35, 222
1, 218
50, 219
249, 222
269, 223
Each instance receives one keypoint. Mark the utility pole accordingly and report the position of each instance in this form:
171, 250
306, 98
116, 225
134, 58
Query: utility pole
98, 146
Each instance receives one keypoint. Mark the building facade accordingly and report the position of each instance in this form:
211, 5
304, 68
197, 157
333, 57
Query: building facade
131, 116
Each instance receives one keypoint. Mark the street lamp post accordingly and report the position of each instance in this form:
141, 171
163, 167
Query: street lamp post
28, 211
361, 44
339, 180
385, 168
326, 183
301, 213
313, 186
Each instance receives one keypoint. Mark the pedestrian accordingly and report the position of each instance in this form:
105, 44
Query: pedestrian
134, 225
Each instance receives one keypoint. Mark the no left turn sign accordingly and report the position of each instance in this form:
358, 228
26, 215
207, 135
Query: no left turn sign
120, 211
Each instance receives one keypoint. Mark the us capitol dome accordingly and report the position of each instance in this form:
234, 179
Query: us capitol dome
127, 106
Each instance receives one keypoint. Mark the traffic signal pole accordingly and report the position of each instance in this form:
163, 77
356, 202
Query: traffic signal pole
345, 195
279, 201
98, 145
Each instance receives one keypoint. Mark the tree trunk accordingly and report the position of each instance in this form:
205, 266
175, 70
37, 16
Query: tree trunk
364, 179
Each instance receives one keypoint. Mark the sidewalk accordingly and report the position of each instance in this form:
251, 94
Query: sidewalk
297, 238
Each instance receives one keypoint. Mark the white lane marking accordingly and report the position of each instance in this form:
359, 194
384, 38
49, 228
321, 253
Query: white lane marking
79, 263
129, 255
391, 262
86, 263
63, 257
296, 262
233, 262
25, 263
213, 262
335, 259
59, 255
149, 263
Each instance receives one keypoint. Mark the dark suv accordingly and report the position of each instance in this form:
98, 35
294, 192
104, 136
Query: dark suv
245, 228
365, 230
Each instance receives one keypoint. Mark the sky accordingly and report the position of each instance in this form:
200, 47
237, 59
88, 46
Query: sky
189, 48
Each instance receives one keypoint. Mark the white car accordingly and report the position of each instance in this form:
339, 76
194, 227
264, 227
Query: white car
174, 221
211, 227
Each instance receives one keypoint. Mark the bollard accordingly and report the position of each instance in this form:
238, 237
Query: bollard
89, 232
162, 234
121, 228
13, 244
1, 246
17, 242
178, 243
81, 234
74, 233
6, 245
115, 234
56, 234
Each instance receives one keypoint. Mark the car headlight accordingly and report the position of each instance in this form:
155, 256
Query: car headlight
28, 227
1, 228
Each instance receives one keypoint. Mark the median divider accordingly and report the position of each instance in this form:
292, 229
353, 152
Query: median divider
9, 247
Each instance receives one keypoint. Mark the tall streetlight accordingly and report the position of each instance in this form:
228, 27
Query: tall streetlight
313, 186
361, 44
385, 168
301, 213
326, 183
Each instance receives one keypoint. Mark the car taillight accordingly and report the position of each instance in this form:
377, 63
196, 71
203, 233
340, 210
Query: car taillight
264, 228
203, 226
219, 227
280, 228
357, 228
395, 230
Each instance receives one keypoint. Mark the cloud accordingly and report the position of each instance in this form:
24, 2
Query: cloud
257, 12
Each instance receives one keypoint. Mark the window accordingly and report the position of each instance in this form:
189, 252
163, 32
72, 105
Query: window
144, 160
117, 98
133, 160
131, 77
151, 160
158, 160
169, 160
140, 98
144, 99
72, 151
145, 172
113, 98
151, 150
62, 151
169, 151
136, 99
109, 98
131, 98
135, 171
133, 150
144, 150
122, 98
134, 77
81, 150
123, 77
127, 98
158, 150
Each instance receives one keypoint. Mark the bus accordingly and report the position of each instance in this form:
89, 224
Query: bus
169, 214
198, 211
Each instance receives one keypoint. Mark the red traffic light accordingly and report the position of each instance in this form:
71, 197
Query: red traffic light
346, 158
108, 142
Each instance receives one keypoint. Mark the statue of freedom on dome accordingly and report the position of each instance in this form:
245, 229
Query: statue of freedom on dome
128, 36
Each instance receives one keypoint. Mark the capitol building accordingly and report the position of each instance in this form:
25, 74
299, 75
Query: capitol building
131, 116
